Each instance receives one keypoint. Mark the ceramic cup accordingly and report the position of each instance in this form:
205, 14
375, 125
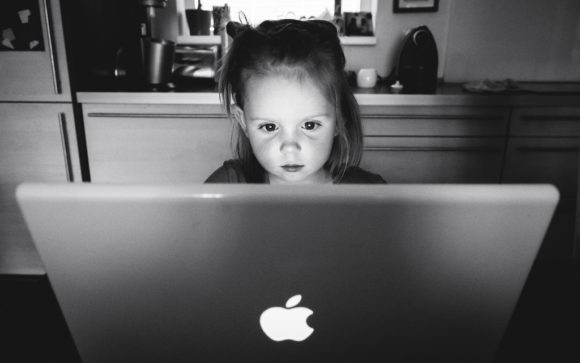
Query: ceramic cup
366, 77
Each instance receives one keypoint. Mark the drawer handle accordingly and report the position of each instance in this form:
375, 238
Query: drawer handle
547, 148
65, 146
436, 117
435, 148
51, 48
573, 118
155, 115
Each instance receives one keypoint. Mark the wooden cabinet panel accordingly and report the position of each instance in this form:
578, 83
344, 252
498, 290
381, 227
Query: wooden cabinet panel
434, 121
38, 75
555, 161
546, 121
434, 159
435, 144
161, 143
37, 144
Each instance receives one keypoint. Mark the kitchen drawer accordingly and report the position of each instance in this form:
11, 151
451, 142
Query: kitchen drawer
555, 161
434, 121
546, 121
435, 159
155, 143
147, 111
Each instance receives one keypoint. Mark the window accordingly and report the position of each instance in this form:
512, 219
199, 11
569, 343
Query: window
257, 11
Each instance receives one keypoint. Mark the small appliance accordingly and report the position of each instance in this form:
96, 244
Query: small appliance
417, 62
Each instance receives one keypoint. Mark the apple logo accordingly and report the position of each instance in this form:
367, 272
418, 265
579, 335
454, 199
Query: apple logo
287, 323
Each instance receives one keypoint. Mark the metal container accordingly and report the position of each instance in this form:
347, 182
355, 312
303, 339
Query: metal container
157, 57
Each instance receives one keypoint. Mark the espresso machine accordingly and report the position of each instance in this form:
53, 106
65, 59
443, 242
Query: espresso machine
417, 62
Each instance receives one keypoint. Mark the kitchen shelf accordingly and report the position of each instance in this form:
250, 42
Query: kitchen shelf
216, 40
358, 40
199, 39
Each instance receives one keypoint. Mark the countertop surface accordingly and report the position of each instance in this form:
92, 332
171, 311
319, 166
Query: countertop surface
452, 94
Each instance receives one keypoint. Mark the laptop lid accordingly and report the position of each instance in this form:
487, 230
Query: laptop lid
302, 273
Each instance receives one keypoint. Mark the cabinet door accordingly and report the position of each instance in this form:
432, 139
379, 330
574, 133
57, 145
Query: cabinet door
435, 144
546, 121
39, 74
37, 144
434, 121
555, 161
155, 143
434, 159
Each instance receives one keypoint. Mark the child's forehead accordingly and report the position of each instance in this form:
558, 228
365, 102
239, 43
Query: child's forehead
284, 80
280, 78
272, 85
272, 96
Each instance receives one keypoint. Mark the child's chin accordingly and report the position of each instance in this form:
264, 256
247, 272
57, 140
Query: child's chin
291, 178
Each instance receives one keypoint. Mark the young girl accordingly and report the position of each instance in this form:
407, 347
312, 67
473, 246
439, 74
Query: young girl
296, 116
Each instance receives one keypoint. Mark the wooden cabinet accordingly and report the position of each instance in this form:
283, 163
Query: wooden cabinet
544, 147
185, 143
37, 144
38, 75
435, 144
435, 160
545, 121
155, 143
405, 144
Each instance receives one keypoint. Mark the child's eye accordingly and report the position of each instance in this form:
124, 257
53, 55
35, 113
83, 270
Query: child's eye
311, 125
269, 127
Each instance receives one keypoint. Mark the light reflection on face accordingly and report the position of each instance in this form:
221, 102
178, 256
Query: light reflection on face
291, 127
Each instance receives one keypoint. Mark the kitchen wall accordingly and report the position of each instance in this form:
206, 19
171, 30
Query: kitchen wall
390, 32
526, 40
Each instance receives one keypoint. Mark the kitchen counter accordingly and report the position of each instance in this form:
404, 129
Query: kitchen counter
23, 259
451, 94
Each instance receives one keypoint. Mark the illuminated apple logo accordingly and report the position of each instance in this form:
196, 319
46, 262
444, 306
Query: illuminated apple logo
287, 323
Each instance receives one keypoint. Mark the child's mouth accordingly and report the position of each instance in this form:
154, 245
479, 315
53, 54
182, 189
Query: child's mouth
292, 167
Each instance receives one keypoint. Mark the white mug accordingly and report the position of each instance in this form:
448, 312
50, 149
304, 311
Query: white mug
366, 77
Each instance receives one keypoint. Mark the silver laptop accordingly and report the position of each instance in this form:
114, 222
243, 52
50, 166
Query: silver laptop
258, 273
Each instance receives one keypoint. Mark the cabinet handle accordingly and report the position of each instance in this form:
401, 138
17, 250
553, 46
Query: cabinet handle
436, 117
433, 148
573, 118
52, 48
547, 149
65, 146
154, 115
576, 239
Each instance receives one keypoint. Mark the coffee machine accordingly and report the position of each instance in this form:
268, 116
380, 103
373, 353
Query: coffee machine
417, 62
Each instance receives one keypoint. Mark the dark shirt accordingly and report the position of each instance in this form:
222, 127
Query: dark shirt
231, 172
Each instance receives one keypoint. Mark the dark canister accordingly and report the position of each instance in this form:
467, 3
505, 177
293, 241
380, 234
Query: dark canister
199, 21
157, 56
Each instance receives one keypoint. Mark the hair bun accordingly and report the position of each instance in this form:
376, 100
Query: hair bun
234, 28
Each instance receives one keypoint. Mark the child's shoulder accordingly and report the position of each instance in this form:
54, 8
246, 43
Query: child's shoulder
230, 172
356, 175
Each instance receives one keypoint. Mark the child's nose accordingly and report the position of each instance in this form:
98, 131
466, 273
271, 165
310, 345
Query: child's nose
290, 146
290, 143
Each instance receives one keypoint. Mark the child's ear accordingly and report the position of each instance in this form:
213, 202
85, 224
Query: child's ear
238, 115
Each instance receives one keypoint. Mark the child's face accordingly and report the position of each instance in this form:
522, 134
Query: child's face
291, 127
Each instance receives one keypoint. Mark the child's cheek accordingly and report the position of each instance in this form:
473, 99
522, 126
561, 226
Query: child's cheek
319, 136
264, 142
